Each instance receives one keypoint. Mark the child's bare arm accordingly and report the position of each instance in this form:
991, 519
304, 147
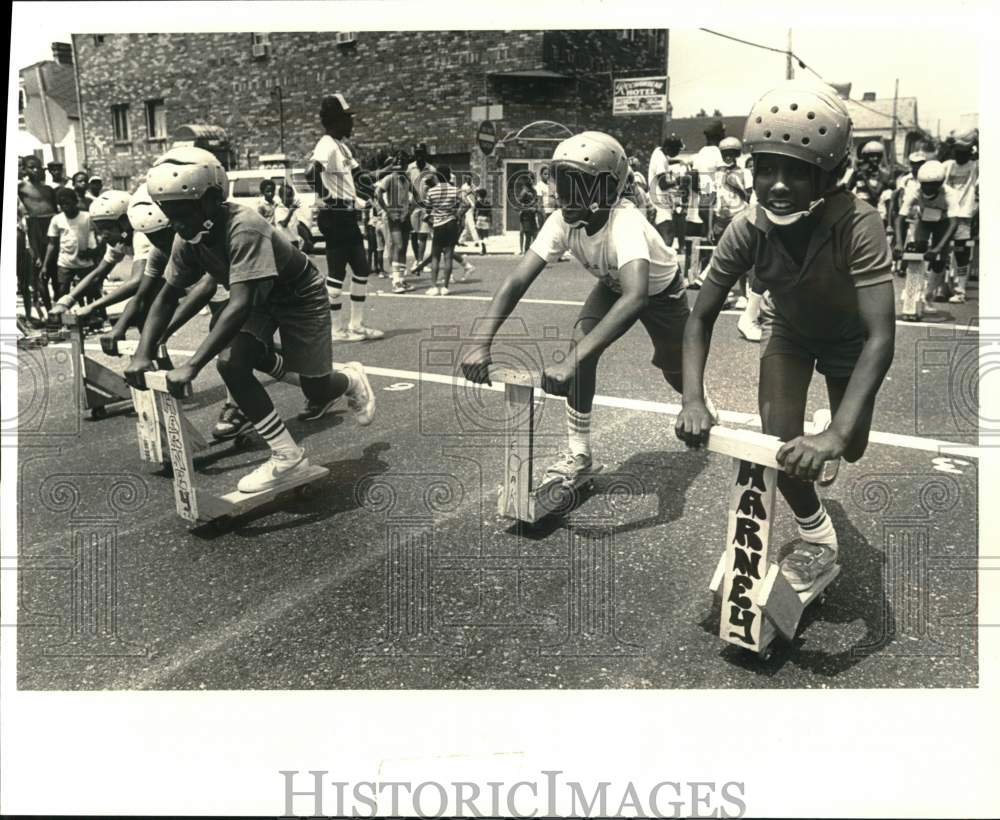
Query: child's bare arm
876, 308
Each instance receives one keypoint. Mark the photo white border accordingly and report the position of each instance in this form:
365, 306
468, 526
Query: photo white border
817, 752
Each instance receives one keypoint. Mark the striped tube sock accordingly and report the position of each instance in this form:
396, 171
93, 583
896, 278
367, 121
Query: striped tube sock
272, 429
578, 426
277, 370
358, 294
817, 528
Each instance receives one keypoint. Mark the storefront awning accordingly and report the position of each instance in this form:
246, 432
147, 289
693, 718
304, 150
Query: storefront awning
532, 74
208, 133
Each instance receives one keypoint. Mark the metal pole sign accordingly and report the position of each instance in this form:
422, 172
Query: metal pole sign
639, 95
487, 137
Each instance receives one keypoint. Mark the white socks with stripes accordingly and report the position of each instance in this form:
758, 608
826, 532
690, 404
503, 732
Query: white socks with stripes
578, 426
817, 528
359, 290
272, 429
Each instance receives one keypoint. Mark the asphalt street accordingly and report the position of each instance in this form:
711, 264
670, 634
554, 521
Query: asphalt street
397, 572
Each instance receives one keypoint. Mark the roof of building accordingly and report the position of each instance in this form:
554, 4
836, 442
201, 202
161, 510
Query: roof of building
873, 115
60, 84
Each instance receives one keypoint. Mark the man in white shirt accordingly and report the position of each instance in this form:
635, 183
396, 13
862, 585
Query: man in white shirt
334, 168
666, 176
961, 182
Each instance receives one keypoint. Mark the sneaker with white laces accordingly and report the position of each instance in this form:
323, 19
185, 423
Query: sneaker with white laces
432, 291
570, 467
360, 396
368, 332
277, 470
341, 335
231, 423
443, 291
807, 563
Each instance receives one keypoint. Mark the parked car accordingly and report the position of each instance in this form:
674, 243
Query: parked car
244, 188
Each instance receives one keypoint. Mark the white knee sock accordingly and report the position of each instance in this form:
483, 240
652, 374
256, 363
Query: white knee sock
272, 429
578, 427
817, 528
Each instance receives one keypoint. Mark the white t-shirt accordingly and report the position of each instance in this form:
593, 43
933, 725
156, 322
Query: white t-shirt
338, 162
961, 181
625, 237
545, 197
74, 235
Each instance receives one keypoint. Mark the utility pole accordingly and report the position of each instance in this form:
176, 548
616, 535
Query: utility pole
789, 68
895, 103
277, 93
666, 73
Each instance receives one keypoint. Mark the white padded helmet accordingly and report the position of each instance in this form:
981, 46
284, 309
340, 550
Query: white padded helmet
185, 173
594, 152
931, 171
110, 206
144, 214
803, 120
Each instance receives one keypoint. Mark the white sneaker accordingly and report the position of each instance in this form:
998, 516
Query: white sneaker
957, 299
277, 470
807, 563
368, 332
443, 291
570, 467
360, 396
432, 291
468, 268
341, 335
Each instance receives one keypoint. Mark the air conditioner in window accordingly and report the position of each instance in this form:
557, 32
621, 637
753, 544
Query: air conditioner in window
259, 50
345, 37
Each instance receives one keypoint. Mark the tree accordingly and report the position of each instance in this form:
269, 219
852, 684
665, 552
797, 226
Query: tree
701, 113
716, 113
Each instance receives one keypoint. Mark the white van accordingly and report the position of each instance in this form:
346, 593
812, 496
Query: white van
244, 188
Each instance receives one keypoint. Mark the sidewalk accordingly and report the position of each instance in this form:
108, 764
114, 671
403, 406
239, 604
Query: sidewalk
506, 243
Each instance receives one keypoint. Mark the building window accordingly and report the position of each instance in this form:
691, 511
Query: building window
156, 120
260, 45
344, 38
121, 183
98, 39
119, 123
22, 103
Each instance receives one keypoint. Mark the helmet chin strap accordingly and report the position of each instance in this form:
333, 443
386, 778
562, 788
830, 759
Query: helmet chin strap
791, 219
208, 224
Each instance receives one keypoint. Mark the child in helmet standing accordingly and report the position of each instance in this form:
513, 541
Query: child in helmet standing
823, 256
272, 286
637, 280
961, 180
930, 233
870, 179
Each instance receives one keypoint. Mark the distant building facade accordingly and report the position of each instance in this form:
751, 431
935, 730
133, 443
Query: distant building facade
259, 94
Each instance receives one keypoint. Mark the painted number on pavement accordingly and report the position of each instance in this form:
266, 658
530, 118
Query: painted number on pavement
949, 465
396, 387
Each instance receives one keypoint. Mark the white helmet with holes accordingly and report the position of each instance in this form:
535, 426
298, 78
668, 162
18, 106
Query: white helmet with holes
185, 173
931, 171
144, 214
596, 153
730, 144
109, 206
803, 120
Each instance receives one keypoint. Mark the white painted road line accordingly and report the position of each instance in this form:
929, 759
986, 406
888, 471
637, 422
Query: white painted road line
929, 445
571, 303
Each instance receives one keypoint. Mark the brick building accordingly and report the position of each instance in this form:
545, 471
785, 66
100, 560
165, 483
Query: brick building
259, 94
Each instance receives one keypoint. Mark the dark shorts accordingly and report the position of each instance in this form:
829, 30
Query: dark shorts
835, 358
304, 324
664, 318
445, 236
38, 235
339, 227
